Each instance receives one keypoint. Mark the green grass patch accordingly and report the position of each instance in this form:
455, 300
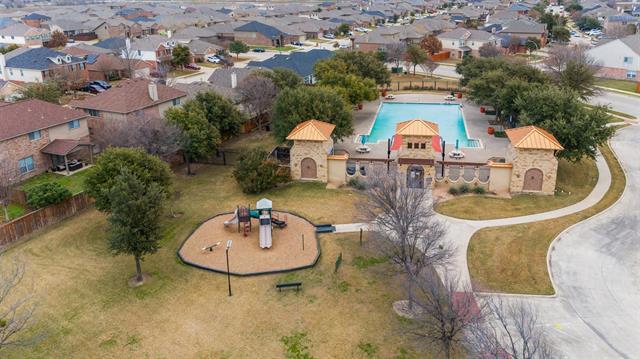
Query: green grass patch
15, 211
622, 85
75, 182
366, 262
513, 259
574, 182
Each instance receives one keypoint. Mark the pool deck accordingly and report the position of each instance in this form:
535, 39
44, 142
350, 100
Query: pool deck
476, 124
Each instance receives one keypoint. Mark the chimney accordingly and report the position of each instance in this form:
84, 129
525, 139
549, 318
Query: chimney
234, 80
153, 91
169, 33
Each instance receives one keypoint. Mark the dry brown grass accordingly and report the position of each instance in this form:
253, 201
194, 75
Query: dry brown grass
513, 259
87, 309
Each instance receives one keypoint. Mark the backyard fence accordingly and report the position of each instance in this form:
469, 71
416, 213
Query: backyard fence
435, 84
33, 221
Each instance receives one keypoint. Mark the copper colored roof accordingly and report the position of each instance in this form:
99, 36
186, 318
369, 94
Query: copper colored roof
63, 147
417, 127
532, 137
128, 96
27, 116
312, 130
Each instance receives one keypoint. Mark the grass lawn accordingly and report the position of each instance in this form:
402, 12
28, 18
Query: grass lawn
15, 211
86, 308
74, 182
622, 85
574, 182
513, 259
256, 139
617, 113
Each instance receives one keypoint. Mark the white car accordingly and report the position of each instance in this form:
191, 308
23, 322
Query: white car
329, 36
213, 59
344, 46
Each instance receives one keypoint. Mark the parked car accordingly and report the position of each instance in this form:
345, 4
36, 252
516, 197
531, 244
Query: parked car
344, 46
104, 84
258, 49
94, 89
192, 67
296, 43
329, 36
213, 59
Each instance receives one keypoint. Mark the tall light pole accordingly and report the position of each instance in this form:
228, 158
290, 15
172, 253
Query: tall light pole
229, 242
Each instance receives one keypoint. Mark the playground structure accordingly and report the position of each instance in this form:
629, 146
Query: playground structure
265, 216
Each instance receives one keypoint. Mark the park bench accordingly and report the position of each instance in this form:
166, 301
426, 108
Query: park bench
288, 285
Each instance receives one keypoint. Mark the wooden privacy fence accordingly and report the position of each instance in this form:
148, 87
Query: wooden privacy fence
33, 221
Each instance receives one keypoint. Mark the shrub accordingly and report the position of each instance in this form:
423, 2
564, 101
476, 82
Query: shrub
464, 188
356, 183
296, 346
453, 191
256, 173
479, 190
45, 194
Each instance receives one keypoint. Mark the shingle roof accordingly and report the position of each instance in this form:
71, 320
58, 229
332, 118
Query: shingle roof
311, 130
112, 43
128, 96
300, 62
36, 16
31, 115
417, 127
532, 137
21, 29
62, 147
38, 59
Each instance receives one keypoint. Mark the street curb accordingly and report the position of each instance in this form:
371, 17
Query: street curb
618, 91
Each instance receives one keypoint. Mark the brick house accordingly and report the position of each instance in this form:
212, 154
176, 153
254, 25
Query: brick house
260, 34
38, 136
131, 99
619, 58
41, 64
461, 42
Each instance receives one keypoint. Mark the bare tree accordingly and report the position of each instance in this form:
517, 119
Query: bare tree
257, 94
130, 58
573, 68
510, 329
153, 134
9, 178
395, 52
489, 50
444, 311
16, 308
429, 66
404, 225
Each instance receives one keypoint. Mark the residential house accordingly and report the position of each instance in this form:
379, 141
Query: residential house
34, 19
78, 30
38, 136
301, 63
461, 42
262, 34
523, 29
102, 64
156, 50
131, 99
200, 49
620, 25
40, 64
24, 35
8, 90
619, 58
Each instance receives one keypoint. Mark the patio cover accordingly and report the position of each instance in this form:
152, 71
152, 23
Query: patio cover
62, 147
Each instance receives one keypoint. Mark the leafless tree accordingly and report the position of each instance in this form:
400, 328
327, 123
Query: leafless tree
444, 311
509, 329
16, 308
153, 134
395, 52
489, 50
404, 225
9, 178
130, 59
428, 66
257, 94
574, 68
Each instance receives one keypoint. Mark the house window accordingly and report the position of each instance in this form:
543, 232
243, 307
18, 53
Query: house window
409, 145
423, 146
21, 73
74, 124
35, 135
631, 74
11, 72
93, 112
176, 101
628, 60
26, 165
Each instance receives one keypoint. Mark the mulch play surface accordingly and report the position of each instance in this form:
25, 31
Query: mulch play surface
245, 256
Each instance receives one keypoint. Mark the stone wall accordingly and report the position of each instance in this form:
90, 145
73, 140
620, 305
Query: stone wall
426, 153
524, 159
20, 147
316, 150
429, 174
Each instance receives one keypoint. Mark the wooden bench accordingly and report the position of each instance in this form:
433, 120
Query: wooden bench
280, 286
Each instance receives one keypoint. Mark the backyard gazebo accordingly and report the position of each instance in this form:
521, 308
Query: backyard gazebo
61, 150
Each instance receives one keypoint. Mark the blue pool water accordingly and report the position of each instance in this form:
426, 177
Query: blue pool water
447, 116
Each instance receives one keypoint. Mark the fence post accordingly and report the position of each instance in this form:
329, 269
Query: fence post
398, 85
224, 158
422, 86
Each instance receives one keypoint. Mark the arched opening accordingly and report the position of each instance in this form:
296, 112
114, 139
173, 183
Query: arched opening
415, 177
532, 180
308, 168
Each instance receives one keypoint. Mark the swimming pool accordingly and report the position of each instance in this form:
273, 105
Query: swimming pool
448, 117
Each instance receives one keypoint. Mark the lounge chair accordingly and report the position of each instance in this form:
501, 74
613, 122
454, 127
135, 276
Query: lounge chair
390, 97
363, 149
457, 155
449, 98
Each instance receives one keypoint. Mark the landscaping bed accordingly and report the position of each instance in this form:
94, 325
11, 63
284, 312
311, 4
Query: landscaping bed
574, 182
513, 259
